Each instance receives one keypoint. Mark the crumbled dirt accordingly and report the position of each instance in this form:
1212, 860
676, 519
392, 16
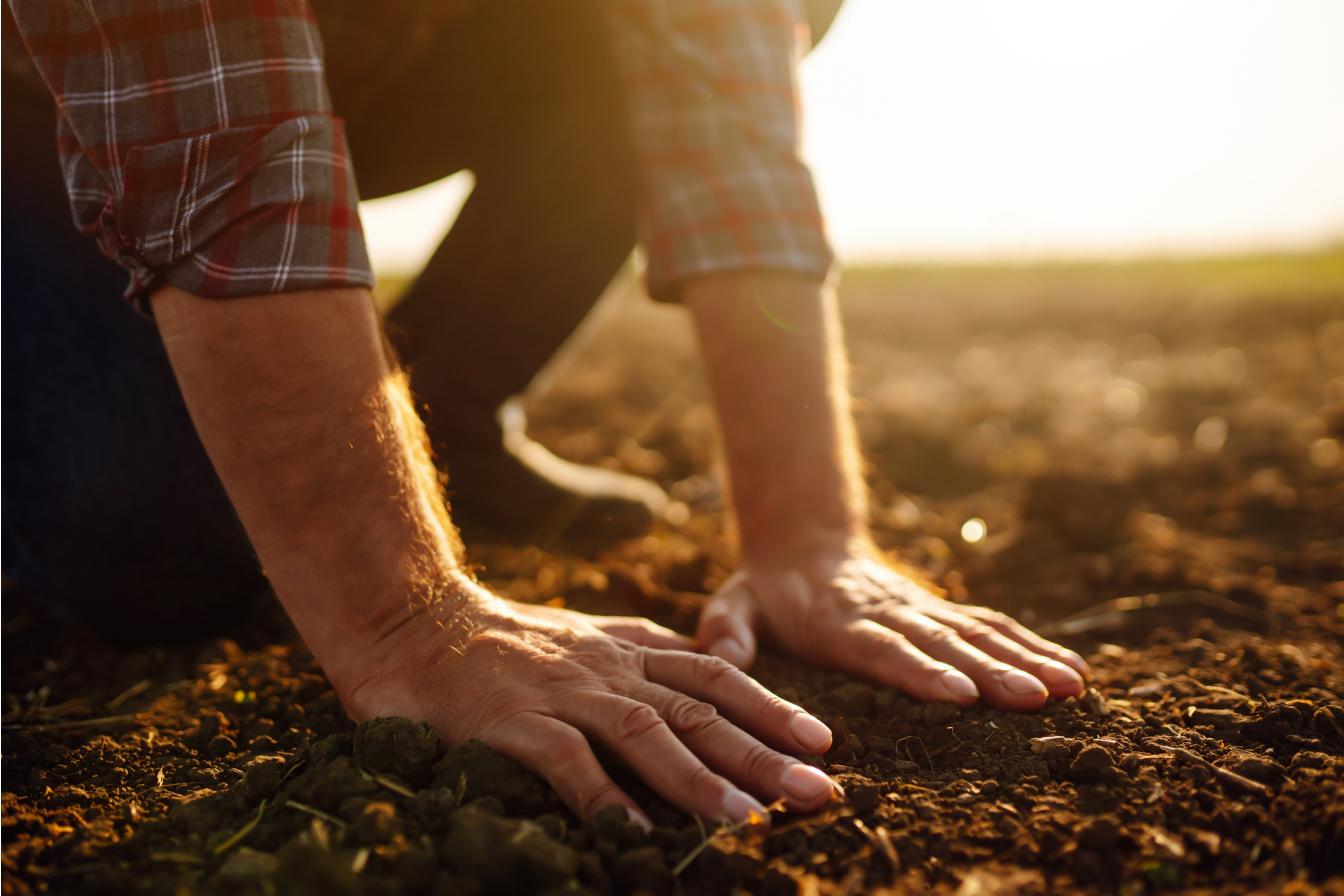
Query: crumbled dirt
1158, 472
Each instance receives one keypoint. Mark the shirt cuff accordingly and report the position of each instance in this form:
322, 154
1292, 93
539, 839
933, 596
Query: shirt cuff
733, 215
239, 212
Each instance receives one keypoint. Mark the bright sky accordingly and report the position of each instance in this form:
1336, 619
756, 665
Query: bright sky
975, 128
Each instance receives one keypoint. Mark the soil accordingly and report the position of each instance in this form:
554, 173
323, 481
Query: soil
1157, 467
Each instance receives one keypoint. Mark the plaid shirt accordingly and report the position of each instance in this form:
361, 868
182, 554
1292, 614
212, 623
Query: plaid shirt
200, 148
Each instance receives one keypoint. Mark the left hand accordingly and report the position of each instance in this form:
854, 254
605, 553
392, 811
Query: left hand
844, 608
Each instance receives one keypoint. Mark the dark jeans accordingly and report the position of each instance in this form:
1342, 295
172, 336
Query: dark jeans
112, 513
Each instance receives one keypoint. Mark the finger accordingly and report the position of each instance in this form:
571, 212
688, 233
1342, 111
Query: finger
1002, 685
1061, 680
643, 632
564, 757
1007, 625
735, 754
725, 623
875, 651
740, 697
637, 733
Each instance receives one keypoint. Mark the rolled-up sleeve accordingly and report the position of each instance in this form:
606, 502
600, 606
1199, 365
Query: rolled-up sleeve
198, 142
715, 121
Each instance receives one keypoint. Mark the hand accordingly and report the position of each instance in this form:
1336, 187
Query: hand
844, 608
539, 684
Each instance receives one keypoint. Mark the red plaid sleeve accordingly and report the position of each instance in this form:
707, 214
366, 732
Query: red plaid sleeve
715, 119
198, 142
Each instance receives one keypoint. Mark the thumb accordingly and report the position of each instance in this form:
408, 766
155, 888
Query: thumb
726, 623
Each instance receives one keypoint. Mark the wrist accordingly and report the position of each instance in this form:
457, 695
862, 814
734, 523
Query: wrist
390, 640
789, 544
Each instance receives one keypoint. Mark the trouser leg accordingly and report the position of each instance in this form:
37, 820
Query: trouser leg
526, 96
112, 512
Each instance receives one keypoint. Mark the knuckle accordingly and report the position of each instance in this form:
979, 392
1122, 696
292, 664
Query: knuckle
761, 762
710, 670
691, 716
637, 721
944, 636
998, 620
566, 745
700, 779
768, 705
880, 648
977, 632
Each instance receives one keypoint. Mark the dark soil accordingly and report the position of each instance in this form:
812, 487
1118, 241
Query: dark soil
1160, 476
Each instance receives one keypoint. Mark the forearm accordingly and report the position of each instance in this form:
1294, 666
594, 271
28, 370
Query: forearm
316, 441
776, 367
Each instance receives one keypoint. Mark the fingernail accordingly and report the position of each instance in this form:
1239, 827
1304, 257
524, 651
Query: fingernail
639, 819
959, 686
730, 649
806, 784
1015, 681
811, 734
1059, 677
739, 806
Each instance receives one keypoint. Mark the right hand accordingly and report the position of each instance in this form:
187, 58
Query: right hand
539, 684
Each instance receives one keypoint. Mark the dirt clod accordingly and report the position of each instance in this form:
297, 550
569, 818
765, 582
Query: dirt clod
1092, 765
507, 855
397, 747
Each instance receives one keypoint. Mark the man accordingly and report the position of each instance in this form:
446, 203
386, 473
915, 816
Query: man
200, 148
